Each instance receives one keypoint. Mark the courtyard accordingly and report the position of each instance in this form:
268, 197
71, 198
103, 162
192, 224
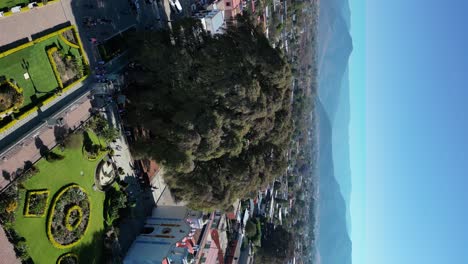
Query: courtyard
59, 211
43, 68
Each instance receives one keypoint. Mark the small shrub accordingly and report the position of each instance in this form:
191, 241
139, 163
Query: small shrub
250, 229
11, 207
115, 200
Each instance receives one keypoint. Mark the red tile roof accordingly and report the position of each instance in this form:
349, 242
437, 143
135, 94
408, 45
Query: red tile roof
231, 216
150, 167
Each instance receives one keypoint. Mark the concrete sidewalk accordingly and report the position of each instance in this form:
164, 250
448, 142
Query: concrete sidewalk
27, 149
24, 25
7, 252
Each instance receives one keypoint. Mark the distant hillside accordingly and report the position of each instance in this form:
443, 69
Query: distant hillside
340, 139
335, 47
334, 243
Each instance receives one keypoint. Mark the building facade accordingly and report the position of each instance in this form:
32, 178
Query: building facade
167, 237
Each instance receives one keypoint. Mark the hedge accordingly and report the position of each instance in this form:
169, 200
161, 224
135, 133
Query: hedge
54, 66
80, 44
21, 117
73, 45
74, 83
67, 217
51, 215
27, 202
50, 99
12, 85
55, 33
13, 50
69, 254
27, 113
80, 49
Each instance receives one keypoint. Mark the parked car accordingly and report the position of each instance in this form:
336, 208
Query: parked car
176, 6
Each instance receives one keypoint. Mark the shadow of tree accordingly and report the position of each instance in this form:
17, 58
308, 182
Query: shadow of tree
60, 132
132, 219
92, 252
6, 175
87, 142
43, 149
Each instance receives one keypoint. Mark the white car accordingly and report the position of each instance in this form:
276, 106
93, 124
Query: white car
176, 6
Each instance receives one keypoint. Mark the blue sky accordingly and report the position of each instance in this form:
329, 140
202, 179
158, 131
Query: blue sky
357, 128
411, 204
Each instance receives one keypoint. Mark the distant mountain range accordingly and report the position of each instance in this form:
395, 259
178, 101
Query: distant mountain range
333, 110
334, 244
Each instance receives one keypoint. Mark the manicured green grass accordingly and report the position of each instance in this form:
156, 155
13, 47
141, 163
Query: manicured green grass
12, 3
53, 176
41, 75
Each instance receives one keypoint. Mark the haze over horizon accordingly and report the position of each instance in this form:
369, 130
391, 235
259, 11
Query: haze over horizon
333, 111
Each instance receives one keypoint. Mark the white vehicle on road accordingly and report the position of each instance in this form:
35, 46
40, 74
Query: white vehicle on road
176, 6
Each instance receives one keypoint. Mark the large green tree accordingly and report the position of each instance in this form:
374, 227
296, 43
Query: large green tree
216, 110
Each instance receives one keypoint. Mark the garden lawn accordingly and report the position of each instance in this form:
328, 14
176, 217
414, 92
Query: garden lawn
53, 176
41, 74
11, 3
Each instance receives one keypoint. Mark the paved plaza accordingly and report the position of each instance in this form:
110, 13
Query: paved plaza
24, 25
74, 105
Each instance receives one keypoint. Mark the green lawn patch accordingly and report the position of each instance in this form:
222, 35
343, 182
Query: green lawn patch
33, 60
54, 176
43, 68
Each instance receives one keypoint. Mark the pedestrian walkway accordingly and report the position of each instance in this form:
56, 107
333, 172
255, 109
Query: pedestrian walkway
27, 150
24, 25
7, 253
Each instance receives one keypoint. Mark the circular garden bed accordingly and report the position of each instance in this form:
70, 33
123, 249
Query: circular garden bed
68, 258
68, 217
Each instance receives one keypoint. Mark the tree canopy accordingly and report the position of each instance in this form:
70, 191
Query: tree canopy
217, 110
250, 229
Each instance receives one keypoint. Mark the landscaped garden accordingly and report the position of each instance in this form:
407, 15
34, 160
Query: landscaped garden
67, 222
41, 69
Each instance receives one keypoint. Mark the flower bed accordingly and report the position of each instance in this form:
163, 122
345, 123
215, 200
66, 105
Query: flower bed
68, 37
68, 258
68, 217
73, 217
36, 203
54, 66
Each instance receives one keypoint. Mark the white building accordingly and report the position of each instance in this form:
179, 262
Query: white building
167, 237
212, 21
